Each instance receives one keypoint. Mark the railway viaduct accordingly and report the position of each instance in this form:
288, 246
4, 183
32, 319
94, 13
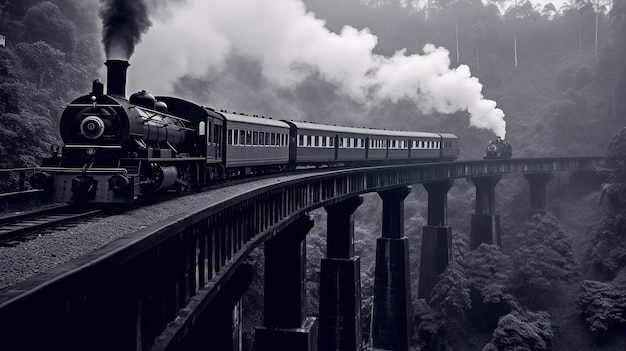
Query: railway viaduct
176, 285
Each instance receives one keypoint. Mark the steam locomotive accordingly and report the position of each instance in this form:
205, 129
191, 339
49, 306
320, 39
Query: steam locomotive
498, 149
117, 150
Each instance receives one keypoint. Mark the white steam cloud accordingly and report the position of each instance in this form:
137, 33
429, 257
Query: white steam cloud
195, 37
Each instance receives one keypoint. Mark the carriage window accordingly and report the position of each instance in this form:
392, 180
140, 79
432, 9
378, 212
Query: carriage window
300, 140
316, 141
261, 138
273, 141
248, 137
331, 141
324, 139
255, 138
230, 137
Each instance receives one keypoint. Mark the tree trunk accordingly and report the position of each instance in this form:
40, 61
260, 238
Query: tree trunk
457, 39
515, 32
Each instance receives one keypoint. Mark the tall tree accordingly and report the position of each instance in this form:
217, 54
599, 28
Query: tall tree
44, 21
609, 240
41, 60
543, 255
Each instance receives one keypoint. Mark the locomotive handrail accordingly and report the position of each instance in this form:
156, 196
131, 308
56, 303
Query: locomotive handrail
184, 261
81, 169
80, 146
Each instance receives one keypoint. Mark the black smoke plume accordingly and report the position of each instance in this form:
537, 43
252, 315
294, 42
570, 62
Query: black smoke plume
123, 23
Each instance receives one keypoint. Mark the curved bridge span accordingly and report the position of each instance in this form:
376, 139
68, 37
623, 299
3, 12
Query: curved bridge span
176, 284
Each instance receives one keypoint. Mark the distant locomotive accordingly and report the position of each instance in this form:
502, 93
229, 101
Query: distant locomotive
116, 150
498, 149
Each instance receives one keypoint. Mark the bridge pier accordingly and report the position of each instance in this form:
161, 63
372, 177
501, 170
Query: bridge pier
538, 193
285, 325
485, 222
391, 325
436, 237
340, 281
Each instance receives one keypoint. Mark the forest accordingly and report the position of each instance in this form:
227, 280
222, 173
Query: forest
557, 283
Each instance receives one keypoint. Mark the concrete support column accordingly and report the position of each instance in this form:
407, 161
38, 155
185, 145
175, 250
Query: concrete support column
485, 222
285, 325
436, 237
391, 325
538, 193
340, 281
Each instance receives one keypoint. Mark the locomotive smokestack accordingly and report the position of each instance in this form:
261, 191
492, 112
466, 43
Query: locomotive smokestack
116, 77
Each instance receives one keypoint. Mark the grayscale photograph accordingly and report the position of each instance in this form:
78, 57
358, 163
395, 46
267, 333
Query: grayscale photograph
313, 175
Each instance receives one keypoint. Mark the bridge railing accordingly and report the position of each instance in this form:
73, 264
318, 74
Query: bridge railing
145, 290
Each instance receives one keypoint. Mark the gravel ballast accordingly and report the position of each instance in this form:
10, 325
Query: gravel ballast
47, 251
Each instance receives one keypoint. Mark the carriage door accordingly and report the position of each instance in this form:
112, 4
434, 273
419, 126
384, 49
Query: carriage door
217, 140
336, 147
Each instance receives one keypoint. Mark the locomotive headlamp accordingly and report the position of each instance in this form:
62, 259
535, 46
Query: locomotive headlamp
90, 151
92, 127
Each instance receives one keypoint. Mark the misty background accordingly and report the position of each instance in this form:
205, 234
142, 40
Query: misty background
552, 74
549, 77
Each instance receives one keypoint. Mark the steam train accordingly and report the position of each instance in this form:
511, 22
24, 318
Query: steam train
117, 150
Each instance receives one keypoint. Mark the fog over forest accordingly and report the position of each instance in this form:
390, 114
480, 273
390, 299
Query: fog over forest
550, 78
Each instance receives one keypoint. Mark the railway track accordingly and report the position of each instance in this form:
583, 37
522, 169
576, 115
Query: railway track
27, 225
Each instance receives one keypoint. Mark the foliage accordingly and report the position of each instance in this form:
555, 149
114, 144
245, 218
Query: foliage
21, 141
41, 60
490, 271
609, 241
430, 327
44, 21
602, 304
544, 253
451, 297
522, 330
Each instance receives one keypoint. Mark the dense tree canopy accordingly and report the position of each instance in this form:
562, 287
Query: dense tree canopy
523, 330
609, 249
543, 255
603, 305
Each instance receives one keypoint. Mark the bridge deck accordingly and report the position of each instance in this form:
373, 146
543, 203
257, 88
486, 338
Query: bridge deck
175, 268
